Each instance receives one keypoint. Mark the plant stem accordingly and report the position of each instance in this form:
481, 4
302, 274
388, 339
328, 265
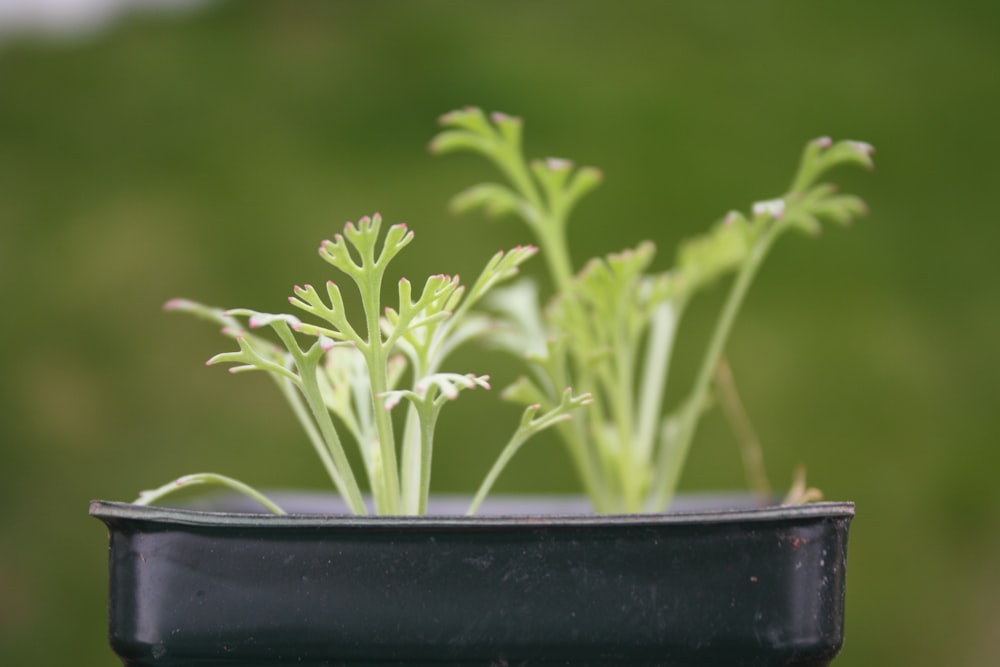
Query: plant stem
323, 450
662, 328
623, 406
669, 476
377, 357
428, 420
411, 459
750, 449
388, 471
336, 463
348, 485
150, 497
574, 435
519, 438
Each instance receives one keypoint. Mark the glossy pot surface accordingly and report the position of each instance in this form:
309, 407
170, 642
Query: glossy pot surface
749, 586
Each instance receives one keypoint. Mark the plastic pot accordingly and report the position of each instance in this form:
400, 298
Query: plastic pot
748, 586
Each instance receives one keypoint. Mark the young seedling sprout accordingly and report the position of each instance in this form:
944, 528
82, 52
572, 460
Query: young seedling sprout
610, 328
343, 382
608, 331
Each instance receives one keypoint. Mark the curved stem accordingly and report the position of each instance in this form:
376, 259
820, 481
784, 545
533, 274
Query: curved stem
335, 461
518, 439
150, 497
301, 412
348, 485
750, 449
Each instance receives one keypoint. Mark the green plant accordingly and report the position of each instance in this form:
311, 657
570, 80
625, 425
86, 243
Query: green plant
609, 330
345, 379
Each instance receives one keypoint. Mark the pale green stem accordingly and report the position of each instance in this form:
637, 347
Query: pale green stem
750, 449
294, 399
667, 484
150, 497
520, 437
551, 237
349, 485
549, 228
388, 467
511, 162
412, 458
377, 358
549, 231
307, 365
416, 456
574, 435
428, 421
663, 327
623, 401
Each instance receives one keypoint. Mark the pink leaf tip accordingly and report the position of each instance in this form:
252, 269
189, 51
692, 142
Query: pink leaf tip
773, 207
176, 304
862, 147
501, 117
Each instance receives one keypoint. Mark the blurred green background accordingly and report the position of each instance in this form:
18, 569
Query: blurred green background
206, 153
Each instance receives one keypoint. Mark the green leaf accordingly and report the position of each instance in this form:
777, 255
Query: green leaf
703, 259
454, 141
522, 330
470, 118
356, 252
823, 154
436, 388
532, 423
496, 200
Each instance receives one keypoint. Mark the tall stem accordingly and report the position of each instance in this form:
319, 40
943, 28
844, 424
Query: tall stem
692, 410
377, 357
321, 415
335, 459
655, 373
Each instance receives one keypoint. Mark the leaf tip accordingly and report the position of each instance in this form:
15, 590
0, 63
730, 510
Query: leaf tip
500, 117
177, 304
864, 150
451, 116
558, 164
862, 147
772, 207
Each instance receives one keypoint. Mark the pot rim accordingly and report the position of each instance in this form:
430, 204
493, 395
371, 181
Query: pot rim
113, 510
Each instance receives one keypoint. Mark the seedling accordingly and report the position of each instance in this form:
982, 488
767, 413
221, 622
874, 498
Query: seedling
608, 332
342, 382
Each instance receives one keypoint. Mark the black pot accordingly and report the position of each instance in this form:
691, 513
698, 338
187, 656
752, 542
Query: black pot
751, 586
